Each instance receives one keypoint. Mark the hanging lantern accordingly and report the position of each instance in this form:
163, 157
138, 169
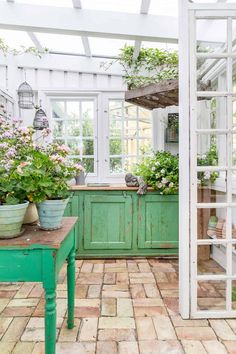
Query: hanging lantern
26, 95
40, 120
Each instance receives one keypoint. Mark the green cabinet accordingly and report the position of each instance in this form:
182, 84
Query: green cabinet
158, 222
119, 223
107, 222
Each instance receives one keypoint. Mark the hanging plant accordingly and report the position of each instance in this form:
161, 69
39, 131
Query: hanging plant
151, 66
6, 49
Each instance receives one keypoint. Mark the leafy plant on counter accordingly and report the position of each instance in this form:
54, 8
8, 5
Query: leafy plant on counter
160, 171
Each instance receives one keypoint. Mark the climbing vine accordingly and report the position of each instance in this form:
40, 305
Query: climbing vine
151, 66
6, 49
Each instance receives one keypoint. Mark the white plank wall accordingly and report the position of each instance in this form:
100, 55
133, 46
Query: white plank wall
64, 82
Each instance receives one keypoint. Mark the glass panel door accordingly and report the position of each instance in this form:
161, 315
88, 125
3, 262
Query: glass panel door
212, 61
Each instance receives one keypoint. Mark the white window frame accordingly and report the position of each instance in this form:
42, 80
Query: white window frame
78, 97
119, 177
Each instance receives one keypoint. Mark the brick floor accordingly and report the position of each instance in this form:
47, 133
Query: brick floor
121, 307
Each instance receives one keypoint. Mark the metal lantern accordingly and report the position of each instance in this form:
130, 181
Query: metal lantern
26, 95
40, 120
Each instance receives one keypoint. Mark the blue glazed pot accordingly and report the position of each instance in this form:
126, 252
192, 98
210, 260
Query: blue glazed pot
11, 219
51, 212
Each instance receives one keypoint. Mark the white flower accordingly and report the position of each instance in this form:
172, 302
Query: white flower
153, 168
160, 185
207, 175
157, 163
171, 184
164, 180
163, 171
203, 156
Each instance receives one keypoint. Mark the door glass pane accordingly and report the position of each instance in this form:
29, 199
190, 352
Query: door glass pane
207, 82
211, 186
211, 295
115, 109
75, 146
212, 113
87, 128
58, 128
88, 147
211, 224
211, 259
211, 150
211, 35
130, 146
115, 127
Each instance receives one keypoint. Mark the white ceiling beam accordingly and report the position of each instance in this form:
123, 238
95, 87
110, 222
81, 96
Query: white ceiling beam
145, 6
77, 4
35, 40
90, 23
86, 46
137, 46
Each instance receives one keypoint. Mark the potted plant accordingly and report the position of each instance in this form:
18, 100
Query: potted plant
46, 183
172, 130
13, 197
160, 171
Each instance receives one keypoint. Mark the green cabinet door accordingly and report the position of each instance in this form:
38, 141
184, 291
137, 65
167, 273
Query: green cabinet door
107, 222
158, 221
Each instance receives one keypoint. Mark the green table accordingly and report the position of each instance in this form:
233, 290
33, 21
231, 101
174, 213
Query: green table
37, 256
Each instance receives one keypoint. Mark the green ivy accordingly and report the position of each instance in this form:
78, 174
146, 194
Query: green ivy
6, 49
151, 66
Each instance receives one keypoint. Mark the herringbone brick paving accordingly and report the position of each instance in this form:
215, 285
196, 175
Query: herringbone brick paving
122, 306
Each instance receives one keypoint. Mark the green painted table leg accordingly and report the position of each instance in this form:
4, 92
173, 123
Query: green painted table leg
50, 320
71, 288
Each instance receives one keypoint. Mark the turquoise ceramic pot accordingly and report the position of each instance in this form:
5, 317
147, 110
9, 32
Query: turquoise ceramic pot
11, 219
51, 212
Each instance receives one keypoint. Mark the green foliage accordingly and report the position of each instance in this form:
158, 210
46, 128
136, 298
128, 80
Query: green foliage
160, 171
6, 49
151, 66
29, 171
208, 159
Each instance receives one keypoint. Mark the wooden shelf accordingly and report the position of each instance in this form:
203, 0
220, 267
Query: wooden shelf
161, 95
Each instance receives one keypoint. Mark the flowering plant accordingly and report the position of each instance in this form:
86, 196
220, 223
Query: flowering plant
29, 171
160, 171
210, 158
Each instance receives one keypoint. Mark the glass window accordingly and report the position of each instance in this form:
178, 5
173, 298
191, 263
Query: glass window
73, 124
130, 134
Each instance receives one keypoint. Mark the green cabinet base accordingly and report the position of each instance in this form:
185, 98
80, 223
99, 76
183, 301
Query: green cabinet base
116, 223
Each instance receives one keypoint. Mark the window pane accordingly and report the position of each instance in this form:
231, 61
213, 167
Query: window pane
115, 109
116, 165
115, 147
130, 147
88, 164
88, 110
130, 163
115, 127
75, 146
73, 128
130, 128
88, 147
58, 109
72, 110
212, 113
58, 128
130, 110
87, 128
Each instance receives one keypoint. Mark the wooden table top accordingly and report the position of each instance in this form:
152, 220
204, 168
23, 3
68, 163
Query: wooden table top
43, 239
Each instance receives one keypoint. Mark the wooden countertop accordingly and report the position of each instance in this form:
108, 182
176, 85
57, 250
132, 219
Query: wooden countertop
112, 187
33, 236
